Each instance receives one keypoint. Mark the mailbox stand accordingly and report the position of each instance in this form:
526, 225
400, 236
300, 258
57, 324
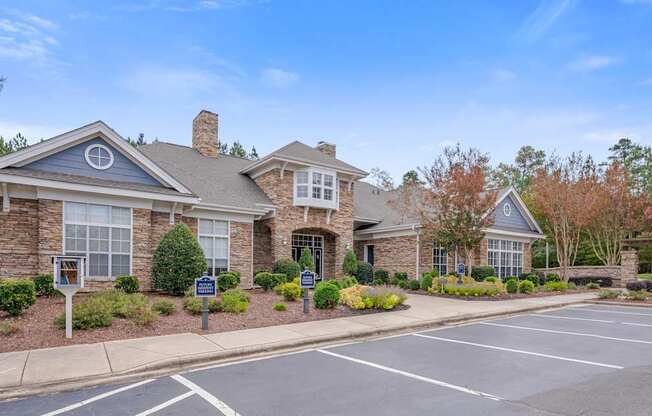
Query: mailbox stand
69, 272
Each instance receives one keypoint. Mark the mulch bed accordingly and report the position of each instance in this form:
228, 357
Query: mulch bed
36, 328
504, 296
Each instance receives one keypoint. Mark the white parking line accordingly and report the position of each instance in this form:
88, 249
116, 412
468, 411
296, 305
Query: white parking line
166, 404
579, 334
537, 354
217, 403
618, 312
590, 320
413, 376
96, 398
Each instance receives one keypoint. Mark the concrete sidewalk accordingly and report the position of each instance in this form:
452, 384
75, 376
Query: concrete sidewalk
51, 369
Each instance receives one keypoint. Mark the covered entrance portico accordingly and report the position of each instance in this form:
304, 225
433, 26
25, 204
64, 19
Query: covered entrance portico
321, 244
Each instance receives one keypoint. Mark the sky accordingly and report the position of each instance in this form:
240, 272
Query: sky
389, 82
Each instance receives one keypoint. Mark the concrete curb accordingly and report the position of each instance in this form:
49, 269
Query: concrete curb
631, 305
177, 364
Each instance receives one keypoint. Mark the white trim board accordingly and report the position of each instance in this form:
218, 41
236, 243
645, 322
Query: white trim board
82, 134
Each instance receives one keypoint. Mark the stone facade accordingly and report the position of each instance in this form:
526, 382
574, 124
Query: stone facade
290, 218
19, 240
241, 253
627, 271
204, 134
50, 232
263, 259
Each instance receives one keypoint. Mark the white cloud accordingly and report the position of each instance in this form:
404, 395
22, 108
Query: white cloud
591, 63
278, 78
26, 37
543, 17
161, 81
503, 75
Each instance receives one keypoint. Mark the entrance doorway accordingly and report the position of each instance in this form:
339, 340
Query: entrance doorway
315, 243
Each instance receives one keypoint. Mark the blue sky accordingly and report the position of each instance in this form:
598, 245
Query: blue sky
389, 82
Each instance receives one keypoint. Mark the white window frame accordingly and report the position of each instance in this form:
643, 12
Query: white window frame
226, 236
310, 200
92, 164
436, 265
365, 253
110, 226
512, 255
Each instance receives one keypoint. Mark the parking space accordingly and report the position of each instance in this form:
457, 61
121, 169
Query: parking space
593, 359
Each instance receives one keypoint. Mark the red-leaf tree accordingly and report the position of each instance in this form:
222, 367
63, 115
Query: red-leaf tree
616, 212
454, 205
564, 194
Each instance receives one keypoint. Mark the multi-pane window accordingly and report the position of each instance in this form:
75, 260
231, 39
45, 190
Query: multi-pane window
315, 187
214, 241
506, 257
102, 234
440, 260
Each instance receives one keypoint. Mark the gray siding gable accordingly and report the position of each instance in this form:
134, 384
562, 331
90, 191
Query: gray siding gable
72, 161
515, 221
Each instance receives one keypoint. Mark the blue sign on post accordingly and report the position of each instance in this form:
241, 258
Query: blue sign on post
307, 280
460, 269
206, 287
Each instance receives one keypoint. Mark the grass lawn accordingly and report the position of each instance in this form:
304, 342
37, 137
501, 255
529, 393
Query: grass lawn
646, 276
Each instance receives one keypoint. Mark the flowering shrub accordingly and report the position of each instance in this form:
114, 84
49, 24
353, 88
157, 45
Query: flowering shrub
365, 297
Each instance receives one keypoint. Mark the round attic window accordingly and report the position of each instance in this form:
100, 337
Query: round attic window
507, 209
99, 156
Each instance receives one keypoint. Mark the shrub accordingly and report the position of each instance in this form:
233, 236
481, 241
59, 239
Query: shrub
479, 273
426, 281
401, 276
228, 280
474, 289
365, 273
44, 285
383, 298
350, 265
571, 285
235, 301
178, 261
95, 312
608, 294
381, 274
214, 306
492, 279
123, 305
7, 328
526, 286
552, 277
290, 291
352, 297
449, 280
636, 295
305, 261
128, 284
192, 305
511, 285
555, 286
268, 280
280, 307
377, 282
592, 286
532, 277
636, 285
164, 307
16, 295
288, 267
414, 285
326, 295
143, 315
583, 281
348, 281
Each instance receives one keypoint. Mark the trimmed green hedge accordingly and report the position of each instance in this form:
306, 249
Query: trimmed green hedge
479, 273
288, 267
326, 295
16, 295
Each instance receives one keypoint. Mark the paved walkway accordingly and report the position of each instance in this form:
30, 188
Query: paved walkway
93, 362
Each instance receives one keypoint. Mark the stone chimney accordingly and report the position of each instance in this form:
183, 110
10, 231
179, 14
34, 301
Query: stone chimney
204, 134
327, 148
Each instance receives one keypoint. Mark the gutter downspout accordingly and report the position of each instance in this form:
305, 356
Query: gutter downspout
5, 198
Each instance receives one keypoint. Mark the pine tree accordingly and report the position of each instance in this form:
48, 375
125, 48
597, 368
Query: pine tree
305, 261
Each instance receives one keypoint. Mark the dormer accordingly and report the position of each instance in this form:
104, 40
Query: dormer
316, 187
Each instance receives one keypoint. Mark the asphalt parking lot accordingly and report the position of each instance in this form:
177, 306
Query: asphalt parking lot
588, 360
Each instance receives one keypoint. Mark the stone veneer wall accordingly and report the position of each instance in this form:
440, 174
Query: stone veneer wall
289, 218
627, 271
241, 252
394, 254
50, 232
19, 241
263, 259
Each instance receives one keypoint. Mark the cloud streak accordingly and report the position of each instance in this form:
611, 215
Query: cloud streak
543, 18
27, 37
278, 78
591, 63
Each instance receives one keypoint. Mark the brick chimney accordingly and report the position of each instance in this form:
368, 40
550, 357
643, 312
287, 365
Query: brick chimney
327, 148
204, 134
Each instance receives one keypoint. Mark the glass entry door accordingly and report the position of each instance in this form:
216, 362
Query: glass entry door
315, 243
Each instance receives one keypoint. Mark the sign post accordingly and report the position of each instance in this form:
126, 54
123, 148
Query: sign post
68, 273
307, 281
205, 287
460, 272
